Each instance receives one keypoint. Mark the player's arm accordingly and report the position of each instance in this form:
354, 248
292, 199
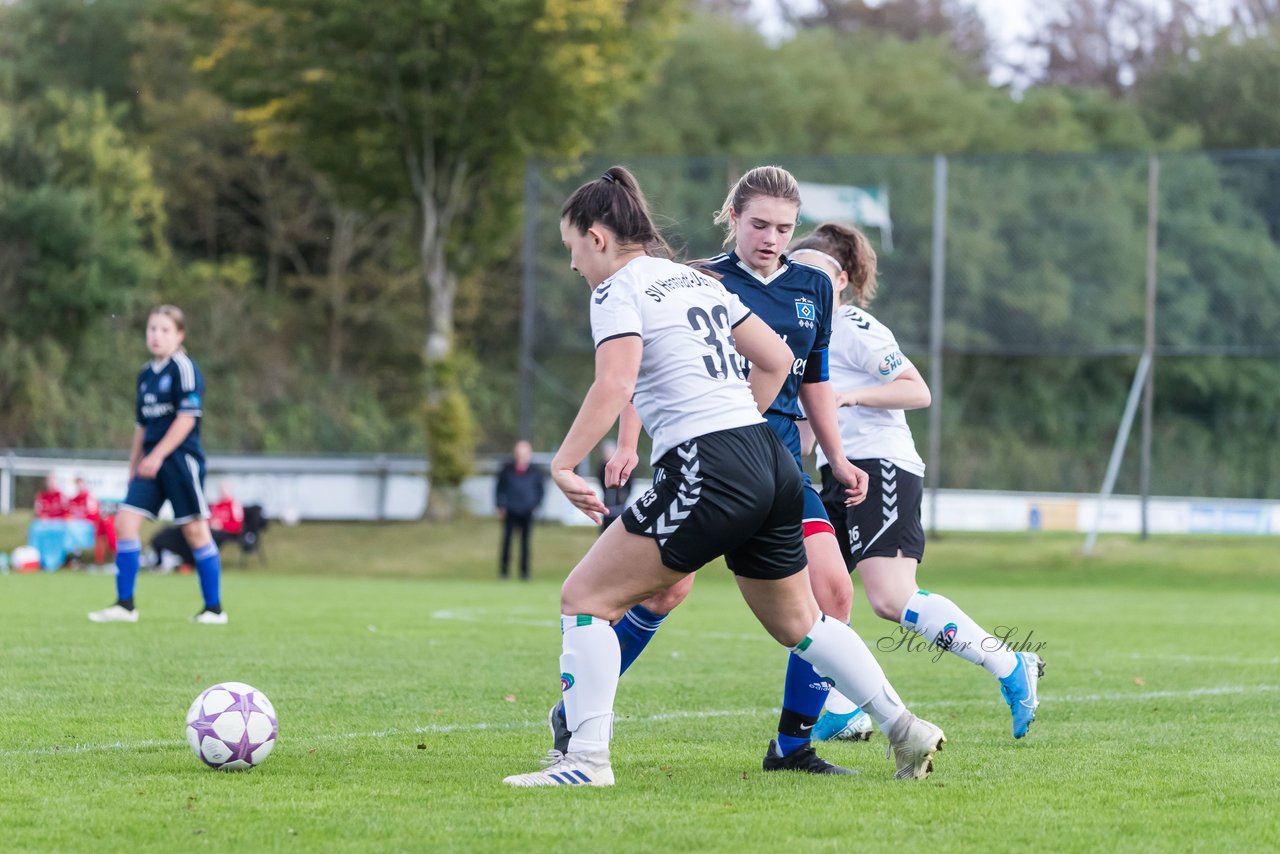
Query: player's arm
135, 451
819, 403
807, 439
617, 367
177, 433
769, 355
907, 390
618, 468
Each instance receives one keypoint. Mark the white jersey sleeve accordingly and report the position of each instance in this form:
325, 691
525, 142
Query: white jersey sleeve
738, 310
615, 311
871, 347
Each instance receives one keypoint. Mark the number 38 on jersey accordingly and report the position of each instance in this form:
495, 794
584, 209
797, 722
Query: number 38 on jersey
719, 337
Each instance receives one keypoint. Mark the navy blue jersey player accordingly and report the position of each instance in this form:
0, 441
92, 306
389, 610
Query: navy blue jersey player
796, 301
166, 462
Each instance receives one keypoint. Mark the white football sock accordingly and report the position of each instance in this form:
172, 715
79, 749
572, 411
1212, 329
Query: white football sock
836, 652
941, 622
839, 704
589, 680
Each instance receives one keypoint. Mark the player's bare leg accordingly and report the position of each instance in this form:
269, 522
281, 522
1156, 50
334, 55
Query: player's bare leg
620, 570
835, 650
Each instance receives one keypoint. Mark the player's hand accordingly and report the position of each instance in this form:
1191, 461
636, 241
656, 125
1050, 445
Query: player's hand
846, 398
854, 479
620, 466
149, 466
580, 493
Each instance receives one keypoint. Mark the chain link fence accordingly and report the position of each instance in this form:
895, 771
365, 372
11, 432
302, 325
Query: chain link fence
1042, 282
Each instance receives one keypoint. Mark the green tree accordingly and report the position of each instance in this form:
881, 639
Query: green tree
80, 235
1228, 92
724, 89
72, 45
432, 103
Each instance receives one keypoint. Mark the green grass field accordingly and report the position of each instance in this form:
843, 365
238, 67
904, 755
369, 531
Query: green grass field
408, 683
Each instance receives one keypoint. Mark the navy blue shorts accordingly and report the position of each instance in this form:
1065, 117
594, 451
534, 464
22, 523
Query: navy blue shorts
180, 481
815, 517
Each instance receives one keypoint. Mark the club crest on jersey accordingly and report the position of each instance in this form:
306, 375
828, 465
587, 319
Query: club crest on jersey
891, 363
166, 383
806, 312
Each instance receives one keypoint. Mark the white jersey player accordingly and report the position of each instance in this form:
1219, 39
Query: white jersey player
686, 320
883, 537
759, 214
675, 341
868, 357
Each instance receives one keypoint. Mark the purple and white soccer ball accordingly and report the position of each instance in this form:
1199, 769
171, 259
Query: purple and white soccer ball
232, 726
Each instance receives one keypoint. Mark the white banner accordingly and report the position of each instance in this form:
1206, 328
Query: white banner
865, 206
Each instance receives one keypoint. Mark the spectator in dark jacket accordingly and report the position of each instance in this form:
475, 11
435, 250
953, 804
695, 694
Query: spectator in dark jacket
518, 495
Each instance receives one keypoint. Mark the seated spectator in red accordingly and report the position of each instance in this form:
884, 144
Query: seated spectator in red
83, 505
228, 516
226, 523
51, 504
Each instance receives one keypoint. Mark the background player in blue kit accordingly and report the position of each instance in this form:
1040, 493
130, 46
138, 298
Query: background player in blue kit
883, 537
796, 301
166, 461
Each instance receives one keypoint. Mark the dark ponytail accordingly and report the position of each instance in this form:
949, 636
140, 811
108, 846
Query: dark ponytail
615, 201
849, 248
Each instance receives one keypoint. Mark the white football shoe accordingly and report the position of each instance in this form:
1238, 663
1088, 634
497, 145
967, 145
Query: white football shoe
914, 742
568, 769
114, 614
208, 618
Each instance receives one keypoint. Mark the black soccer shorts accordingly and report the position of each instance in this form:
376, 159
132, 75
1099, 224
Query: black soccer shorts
735, 493
887, 522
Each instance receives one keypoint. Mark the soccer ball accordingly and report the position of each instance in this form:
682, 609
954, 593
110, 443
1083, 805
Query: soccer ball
232, 726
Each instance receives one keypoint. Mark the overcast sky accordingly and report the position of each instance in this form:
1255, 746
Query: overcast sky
1008, 22
1006, 18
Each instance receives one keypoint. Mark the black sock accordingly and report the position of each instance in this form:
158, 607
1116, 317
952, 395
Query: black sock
127, 604
214, 609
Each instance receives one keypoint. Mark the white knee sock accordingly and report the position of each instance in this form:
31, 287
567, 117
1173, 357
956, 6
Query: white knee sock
941, 622
836, 652
839, 704
589, 680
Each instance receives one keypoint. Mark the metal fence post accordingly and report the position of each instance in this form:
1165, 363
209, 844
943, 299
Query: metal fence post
1117, 449
6, 484
528, 297
936, 290
383, 473
1149, 342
